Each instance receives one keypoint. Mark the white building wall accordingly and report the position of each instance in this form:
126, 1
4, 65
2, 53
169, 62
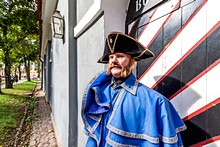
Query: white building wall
60, 80
89, 47
102, 17
93, 25
83, 8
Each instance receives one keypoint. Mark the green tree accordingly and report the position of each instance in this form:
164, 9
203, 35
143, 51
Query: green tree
18, 19
27, 51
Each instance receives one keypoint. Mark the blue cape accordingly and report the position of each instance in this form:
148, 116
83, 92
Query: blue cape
140, 115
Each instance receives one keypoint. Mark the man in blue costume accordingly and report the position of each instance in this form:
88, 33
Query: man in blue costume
119, 111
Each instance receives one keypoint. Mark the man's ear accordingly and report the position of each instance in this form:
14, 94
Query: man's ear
132, 63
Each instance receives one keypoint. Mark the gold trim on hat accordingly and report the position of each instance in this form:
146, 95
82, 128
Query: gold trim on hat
114, 43
110, 41
109, 46
146, 49
137, 57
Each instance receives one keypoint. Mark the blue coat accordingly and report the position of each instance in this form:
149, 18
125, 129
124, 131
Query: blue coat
135, 115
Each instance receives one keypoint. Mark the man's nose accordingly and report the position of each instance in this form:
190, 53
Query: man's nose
114, 60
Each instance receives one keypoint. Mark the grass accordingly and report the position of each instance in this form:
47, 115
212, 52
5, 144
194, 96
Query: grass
12, 106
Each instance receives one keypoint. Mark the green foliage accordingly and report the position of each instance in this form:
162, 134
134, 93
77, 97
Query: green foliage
28, 48
20, 22
1, 55
19, 30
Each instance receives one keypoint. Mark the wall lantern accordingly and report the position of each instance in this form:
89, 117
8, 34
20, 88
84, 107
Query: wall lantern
57, 25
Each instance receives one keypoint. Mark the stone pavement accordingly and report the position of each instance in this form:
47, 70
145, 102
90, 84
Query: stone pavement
42, 134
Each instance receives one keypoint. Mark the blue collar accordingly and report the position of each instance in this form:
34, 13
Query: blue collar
130, 84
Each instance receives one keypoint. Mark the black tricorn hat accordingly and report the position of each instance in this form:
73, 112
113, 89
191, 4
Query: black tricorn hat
119, 42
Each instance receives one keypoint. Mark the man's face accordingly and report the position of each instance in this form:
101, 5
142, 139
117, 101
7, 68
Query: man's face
118, 63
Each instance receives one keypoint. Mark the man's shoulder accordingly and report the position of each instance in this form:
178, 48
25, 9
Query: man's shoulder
149, 91
142, 87
99, 78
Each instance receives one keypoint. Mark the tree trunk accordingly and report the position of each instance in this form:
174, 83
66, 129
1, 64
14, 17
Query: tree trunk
28, 71
19, 72
27, 68
38, 69
8, 83
15, 70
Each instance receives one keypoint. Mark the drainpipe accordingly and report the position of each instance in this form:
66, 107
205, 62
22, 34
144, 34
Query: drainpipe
73, 94
42, 73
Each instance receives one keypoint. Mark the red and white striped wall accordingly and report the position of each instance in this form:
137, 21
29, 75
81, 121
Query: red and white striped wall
185, 37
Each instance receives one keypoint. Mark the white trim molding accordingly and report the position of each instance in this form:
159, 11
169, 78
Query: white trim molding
93, 13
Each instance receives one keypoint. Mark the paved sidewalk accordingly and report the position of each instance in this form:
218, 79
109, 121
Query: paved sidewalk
42, 134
